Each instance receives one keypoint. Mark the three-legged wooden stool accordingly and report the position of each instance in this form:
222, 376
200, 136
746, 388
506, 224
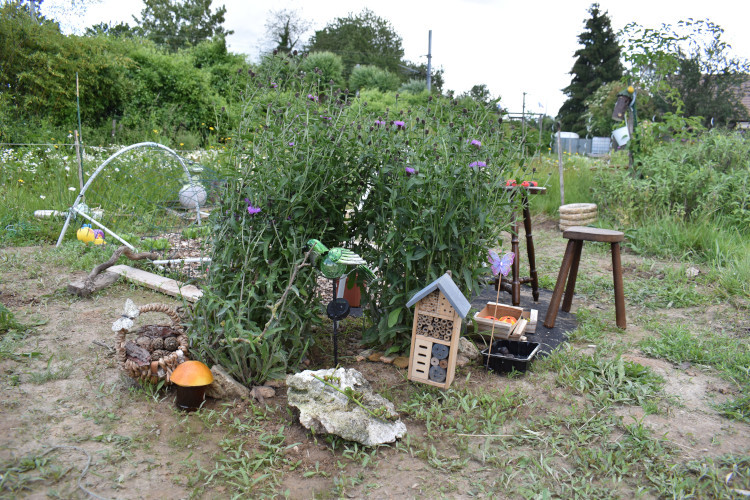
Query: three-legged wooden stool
576, 236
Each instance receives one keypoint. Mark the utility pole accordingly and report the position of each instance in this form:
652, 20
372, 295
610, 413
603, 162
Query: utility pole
523, 116
429, 61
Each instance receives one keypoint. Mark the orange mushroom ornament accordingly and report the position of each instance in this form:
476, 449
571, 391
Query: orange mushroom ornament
191, 379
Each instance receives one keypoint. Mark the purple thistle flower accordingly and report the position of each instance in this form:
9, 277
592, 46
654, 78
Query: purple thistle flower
250, 208
273, 85
312, 97
474, 142
291, 143
379, 123
399, 124
410, 170
476, 164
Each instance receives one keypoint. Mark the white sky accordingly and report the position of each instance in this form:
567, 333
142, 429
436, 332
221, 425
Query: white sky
512, 46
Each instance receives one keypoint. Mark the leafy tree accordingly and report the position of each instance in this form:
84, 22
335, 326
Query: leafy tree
38, 66
597, 63
479, 93
322, 68
411, 70
372, 77
414, 86
363, 39
109, 29
285, 29
177, 24
689, 69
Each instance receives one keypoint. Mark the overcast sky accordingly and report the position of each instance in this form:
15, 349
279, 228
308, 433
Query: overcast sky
512, 46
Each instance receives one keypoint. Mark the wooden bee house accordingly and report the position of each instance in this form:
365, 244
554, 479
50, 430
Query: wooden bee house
440, 307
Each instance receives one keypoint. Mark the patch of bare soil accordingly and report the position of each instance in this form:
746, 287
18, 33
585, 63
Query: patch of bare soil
61, 387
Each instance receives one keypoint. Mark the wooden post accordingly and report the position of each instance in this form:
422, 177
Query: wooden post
78, 159
631, 133
560, 163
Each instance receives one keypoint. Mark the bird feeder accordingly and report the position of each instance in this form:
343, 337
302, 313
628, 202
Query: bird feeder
191, 379
440, 307
621, 106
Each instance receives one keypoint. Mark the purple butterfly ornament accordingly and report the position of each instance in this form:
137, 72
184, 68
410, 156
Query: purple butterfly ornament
499, 265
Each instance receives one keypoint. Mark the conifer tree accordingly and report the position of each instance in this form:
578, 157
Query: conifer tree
597, 63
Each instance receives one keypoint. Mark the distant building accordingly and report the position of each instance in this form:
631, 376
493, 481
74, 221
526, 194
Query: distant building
745, 99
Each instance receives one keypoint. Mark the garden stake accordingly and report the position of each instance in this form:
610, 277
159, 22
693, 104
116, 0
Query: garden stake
499, 266
332, 264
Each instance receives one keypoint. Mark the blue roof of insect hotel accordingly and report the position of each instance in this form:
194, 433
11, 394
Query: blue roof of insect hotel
450, 290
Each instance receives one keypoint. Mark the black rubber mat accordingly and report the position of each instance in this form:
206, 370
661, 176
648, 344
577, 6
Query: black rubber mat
548, 338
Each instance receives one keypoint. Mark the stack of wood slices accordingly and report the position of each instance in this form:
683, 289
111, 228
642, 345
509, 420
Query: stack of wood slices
577, 214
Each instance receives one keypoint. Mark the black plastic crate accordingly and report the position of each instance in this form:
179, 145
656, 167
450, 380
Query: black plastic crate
518, 357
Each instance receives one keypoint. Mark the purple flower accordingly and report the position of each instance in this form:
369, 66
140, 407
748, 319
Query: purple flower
273, 85
379, 123
474, 142
312, 97
410, 170
291, 143
250, 208
476, 164
399, 124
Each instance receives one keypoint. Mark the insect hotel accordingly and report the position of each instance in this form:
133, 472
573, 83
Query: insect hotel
437, 328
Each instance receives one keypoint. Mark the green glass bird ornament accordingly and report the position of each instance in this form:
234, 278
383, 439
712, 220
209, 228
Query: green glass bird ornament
335, 261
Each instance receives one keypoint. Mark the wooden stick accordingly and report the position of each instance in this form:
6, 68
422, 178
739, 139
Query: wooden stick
492, 335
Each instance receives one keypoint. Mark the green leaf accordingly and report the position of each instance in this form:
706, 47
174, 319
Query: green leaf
393, 317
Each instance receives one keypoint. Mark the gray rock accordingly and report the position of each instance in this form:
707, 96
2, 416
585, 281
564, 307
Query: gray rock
326, 410
225, 387
468, 349
467, 352
261, 392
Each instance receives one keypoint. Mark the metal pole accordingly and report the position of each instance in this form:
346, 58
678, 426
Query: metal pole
78, 105
523, 116
429, 61
78, 158
541, 121
560, 163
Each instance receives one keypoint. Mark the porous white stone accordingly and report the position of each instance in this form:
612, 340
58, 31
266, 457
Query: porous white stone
326, 410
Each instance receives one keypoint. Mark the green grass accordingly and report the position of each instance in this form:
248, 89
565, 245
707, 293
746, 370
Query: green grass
677, 344
578, 179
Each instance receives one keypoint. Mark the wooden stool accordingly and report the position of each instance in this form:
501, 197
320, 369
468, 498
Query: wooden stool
576, 235
513, 287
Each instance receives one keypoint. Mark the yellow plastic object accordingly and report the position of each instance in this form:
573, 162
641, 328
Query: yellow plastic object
85, 234
99, 241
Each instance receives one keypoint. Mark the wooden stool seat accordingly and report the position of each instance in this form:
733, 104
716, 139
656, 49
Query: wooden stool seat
593, 234
576, 235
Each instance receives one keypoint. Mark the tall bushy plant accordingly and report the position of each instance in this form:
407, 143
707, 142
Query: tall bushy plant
303, 161
372, 77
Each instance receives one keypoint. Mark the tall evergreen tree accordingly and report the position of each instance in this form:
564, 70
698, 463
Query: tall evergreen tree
597, 63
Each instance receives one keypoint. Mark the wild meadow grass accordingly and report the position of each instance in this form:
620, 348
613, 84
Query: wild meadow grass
133, 189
